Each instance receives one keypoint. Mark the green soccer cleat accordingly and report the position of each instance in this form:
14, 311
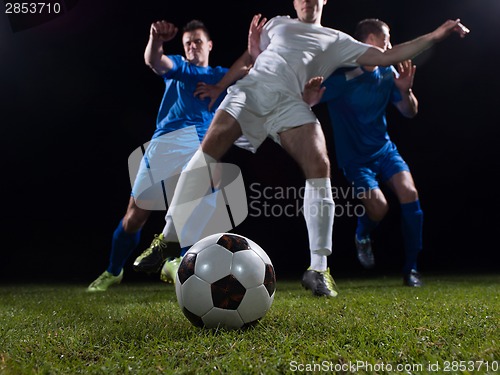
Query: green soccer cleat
104, 281
152, 258
169, 270
320, 283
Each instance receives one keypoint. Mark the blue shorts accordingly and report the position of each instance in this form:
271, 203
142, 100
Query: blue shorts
366, 176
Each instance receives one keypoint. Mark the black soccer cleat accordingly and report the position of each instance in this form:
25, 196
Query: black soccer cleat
320, 283
152, 259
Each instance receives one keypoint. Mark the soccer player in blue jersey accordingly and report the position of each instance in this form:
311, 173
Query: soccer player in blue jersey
357, 100
181, 111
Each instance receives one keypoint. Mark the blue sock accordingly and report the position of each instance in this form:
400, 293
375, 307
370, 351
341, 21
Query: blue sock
412, 219
122, 245
365, 226
184, 250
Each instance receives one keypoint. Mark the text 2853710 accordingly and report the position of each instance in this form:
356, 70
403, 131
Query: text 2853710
32, 8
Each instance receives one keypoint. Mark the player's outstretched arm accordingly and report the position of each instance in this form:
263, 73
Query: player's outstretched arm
404, 51
154, 57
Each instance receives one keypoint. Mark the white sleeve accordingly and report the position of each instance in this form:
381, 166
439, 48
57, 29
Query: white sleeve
350, 49
265, 38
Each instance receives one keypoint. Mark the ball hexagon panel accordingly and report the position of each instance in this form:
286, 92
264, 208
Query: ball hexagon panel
248, 268
252, 307
213, 263
220, 318
178, 290
204, 242
196, 296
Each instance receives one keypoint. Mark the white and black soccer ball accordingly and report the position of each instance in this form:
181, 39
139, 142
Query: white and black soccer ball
225, 280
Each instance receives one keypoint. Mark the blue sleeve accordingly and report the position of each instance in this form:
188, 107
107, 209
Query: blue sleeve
334, 85
177, 61
221, 70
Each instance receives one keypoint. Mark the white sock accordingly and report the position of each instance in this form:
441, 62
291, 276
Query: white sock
194, 182
319, 213
169, 233
318, 262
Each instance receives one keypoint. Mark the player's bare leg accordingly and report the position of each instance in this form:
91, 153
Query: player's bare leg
221, 135
307, 146
135, 217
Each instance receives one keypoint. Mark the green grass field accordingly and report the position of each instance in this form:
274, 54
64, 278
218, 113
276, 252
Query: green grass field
450, 326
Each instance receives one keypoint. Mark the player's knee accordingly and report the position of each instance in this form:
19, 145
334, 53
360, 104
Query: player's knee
380, 213
409, 194
377, 211
131, 226
134, 220
319, 166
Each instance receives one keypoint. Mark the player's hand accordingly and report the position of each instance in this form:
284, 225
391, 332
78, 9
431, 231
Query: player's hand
313, 91
163, 31
254, 31
462, 30
449, 27
204, 90
406, 71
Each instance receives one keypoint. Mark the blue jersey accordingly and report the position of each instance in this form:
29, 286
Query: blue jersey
357, 101
179, 107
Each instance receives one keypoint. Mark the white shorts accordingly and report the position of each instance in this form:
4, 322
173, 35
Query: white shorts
154, 175
262, 112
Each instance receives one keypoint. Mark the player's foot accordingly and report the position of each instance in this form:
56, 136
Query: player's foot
153, 257
413, 279
169, 270
320, 283
364, 251
104, 281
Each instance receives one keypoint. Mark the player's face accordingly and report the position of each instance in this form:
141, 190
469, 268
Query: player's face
197, 47
383, 40
309, 11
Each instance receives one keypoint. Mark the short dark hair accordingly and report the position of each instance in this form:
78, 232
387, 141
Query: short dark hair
369, 26
196, 25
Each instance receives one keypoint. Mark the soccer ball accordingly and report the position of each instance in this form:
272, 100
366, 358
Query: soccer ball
225, 281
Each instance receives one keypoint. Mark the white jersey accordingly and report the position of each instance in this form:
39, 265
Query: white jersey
268, 100
295, 51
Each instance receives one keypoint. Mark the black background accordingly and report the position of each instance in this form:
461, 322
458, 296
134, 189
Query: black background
76, 99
